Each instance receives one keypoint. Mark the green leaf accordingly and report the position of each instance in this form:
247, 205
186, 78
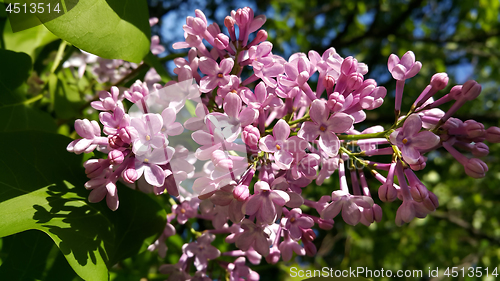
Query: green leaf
27, 254
20, 117
112, 29
32, 255
41, 187
14, 71
65, 95
29, 41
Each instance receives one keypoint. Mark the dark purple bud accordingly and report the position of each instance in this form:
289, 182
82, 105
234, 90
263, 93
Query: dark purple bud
493, 134
115, 142
476, 168
420, 165
470, 90
387, 193
474, 129
480, 149
419, 192
325, 224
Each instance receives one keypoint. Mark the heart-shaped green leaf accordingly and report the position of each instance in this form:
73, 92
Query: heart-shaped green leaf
41, 187
14, 70
112, 29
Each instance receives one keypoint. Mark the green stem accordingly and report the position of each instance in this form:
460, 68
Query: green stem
364, 136
353, 156
302, 119
59, 56
33, 99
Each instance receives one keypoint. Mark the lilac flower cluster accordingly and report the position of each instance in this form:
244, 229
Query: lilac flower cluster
260, 140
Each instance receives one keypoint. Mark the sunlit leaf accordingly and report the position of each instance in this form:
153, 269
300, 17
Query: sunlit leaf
112, 29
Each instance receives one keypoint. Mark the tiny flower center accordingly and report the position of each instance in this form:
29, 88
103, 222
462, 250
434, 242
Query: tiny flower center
163, 129
292, 219
220, 75
183, 211
234, 91
148, 138
146, 160
278, 147
322, 128
405, 140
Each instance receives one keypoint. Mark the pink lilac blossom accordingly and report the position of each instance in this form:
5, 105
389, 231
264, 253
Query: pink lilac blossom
247, 150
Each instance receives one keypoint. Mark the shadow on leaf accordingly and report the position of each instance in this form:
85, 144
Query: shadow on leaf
81, 228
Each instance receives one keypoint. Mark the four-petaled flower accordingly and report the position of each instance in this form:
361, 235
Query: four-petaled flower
281, 145
215, 75
265, 203
411, 141
324, 127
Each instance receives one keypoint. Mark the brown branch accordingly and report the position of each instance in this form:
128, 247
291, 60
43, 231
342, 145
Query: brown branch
465, 225
375, 32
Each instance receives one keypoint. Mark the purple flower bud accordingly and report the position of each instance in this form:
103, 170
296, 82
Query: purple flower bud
418, 192
94, 167
128, 134
377, 212
115, 157
307, 237
493, 134
115, 142
474, 129
349, 65
476, 168
221, 41
431, 202
387, 193
335, 102
274, 255
199, 26
241, 17
420, 165
94, 183
480, 149
87, 129
221, 161
406, 212
329, 84
130, 175
325, 224
354, 81
251, 136
229, 22
439, 80
241, 192
470, 90
259, 38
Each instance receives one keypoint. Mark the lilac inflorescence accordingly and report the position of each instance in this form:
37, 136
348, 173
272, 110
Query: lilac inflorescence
249, 146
